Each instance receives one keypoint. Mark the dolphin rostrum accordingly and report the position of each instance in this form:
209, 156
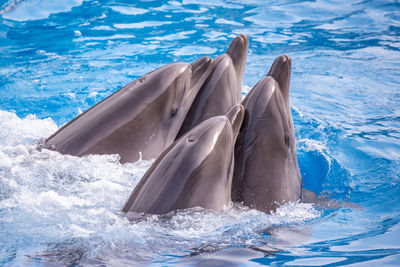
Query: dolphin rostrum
142, 117
266, 171
194, 171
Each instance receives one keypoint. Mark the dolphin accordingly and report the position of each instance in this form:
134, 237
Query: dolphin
223, 87
266, 172
194, 171
142, 117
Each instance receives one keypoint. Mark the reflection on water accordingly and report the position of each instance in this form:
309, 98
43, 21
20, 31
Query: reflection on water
58, 58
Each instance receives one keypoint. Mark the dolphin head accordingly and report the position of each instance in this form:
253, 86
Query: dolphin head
271, 104
191, 172
267, 173
281, 71
280, 148
208, 183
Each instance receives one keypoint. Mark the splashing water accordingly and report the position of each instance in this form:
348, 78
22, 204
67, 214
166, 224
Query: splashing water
59, 203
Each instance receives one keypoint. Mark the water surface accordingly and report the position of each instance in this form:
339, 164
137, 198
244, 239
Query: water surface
58, 58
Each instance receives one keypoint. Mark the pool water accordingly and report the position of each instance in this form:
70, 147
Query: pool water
58, 58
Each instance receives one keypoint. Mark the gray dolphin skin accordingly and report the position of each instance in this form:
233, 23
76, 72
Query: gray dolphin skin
223, 87
194, 171
144, 116
266, 171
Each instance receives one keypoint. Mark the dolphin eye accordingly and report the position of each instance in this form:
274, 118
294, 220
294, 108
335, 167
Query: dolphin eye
287, 139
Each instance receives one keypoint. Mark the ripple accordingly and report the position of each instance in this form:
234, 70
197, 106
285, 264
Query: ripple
194, 50
173, 37
229, 22
316, 261
140, 25
213, 3
110, 37
127, 10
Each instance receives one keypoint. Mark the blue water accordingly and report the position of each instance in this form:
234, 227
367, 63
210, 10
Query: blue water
58, 58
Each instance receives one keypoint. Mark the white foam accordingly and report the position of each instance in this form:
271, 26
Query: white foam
14, 130
312, 145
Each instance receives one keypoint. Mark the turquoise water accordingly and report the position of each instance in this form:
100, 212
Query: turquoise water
58, 58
